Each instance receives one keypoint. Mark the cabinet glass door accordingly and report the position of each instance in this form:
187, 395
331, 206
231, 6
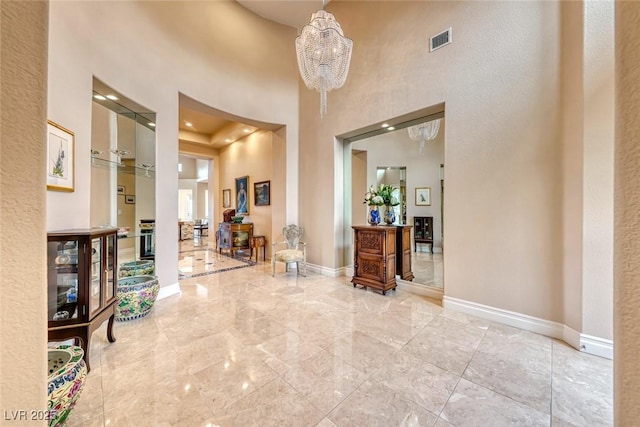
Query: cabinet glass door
111, 252
96, 276
62, 277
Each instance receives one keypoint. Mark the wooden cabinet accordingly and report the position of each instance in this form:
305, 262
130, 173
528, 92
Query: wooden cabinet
234, 236
403, 252
81, 284
375, 257
423, 231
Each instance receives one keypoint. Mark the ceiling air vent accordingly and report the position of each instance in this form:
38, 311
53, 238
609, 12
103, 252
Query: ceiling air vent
440, 40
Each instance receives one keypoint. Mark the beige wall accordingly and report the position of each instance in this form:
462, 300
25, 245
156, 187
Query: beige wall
251, 156
228, 73
502, 144
627, 221
23, 289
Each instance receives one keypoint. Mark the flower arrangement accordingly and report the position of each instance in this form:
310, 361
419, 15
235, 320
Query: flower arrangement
383, 196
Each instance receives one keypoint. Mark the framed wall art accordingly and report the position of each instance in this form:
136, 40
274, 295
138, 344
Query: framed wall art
60, 158
121, 189
130, 199
423, 196
262, 193
226, 198
242, 195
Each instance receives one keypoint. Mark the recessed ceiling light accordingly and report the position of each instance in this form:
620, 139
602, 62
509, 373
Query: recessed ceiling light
189, 124
152, 124
112, 97
385, 125
228, 140
99, 97
391, 128
245, 130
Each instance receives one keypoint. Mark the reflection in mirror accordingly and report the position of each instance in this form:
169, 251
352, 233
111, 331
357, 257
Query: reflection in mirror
394, 158
123, 171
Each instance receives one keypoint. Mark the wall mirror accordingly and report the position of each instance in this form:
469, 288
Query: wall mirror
123, 152
392, 157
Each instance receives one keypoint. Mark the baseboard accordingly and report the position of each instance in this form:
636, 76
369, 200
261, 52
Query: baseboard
326, 271
597, 346
415, 288
167, 291
585, 343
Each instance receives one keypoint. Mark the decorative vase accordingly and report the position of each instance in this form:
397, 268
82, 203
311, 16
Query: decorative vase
136, 296
389, 215
67, 371
373, 218
137, 268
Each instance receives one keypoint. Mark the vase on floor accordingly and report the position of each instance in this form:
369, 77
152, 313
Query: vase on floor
373, 217
389, 215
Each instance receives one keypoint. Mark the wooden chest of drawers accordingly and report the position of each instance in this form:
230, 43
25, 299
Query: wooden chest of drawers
375, 257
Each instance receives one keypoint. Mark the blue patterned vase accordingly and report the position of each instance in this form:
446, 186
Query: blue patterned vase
389, 215
374, 215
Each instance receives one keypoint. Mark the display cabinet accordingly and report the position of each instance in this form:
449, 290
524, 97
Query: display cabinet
233, 236
81, 284
403, 252
374, 257
423, 231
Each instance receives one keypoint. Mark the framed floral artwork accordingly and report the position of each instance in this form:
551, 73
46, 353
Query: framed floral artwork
226, 198
60, 158
423, 196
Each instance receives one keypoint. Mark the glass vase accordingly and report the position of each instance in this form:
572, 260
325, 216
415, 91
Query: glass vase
373, 217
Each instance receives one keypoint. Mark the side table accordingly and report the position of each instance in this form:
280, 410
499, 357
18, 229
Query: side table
258, 242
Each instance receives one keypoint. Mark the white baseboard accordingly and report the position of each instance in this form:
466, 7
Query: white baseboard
415, 288
585, 343
167, 291
326, 271
598, 346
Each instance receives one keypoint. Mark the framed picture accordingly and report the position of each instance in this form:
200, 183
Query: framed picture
262, 193
423, 196
121, 189
60, 158
129, 199
242, 195
226, 198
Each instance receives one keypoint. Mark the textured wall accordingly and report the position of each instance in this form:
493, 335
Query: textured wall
627, 220
500, 81
23, 289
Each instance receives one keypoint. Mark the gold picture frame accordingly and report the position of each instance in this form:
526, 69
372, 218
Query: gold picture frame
60, 158
226, 198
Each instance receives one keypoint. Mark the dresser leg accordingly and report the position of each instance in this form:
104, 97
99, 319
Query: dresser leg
110, 335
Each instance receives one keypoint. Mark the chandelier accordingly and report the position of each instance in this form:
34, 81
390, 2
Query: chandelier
424, 132
324, 54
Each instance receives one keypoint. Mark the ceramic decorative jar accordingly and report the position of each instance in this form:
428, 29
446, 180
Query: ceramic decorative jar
373, 217
136, 296
137, 268
67, 371
389, 215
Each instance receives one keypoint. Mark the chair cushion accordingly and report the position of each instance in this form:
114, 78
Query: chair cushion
289, 255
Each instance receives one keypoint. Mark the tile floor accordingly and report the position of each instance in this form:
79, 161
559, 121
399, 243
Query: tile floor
240, 348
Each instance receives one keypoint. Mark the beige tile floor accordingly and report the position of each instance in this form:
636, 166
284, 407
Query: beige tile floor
240, 348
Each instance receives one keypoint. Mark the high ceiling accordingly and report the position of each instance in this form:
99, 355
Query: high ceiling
216, 129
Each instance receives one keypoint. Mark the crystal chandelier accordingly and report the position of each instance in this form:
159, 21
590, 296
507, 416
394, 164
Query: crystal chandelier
424, 132
324, 54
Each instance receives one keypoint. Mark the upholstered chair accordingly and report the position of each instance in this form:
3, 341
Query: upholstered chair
295, 250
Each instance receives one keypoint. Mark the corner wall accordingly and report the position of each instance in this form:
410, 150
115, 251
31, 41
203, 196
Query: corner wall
23, 261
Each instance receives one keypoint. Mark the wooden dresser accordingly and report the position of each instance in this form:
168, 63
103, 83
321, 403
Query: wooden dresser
375, 256
403, 252
234, 236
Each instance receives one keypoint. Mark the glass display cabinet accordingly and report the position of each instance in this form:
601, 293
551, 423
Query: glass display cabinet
81, 284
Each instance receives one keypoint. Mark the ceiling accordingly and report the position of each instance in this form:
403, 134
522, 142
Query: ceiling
216, 129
